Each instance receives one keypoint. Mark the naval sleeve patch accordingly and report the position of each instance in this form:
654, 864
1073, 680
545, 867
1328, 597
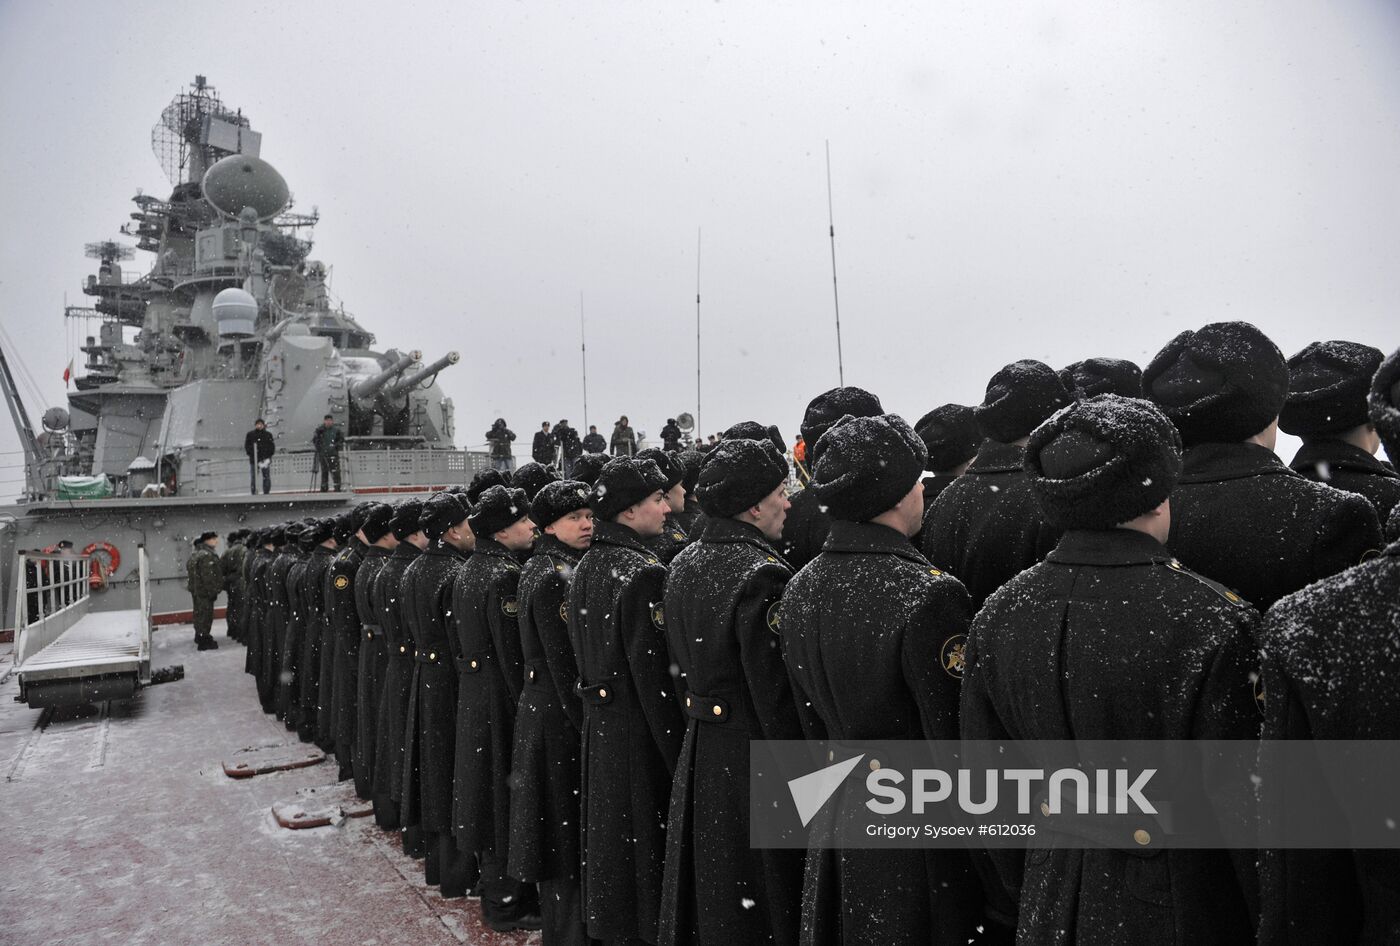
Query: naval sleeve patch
953, 656
564, 611
773, 616
658, 616
509, 606
341, 582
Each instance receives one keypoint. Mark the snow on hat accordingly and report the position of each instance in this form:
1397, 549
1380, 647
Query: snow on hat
753, 430
1094, 376
557, 500
405, 520
377, 521
532, 477
1327, 387
827, 408
345, 526
484, 480
317, 532
669, 468
690, 461
588, 466
1102, 461
500, 507
1384, 404
1018, 398
737, 474
1221, 384
440, 512
867, 465
291, 532
950, 434
624, 482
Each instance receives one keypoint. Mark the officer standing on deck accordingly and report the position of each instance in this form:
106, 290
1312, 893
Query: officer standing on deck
1111, 638
1327, 387
260, 447
985, 527
570, 447
328, 440
205, 582
722, 598
632, 719
870, 631
544, 796
1239, 516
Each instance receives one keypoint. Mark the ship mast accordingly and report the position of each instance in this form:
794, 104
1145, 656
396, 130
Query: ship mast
33, 458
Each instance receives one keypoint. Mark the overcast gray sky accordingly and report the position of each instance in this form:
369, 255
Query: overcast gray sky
1048, 180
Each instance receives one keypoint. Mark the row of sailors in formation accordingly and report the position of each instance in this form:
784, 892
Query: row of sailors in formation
548, 686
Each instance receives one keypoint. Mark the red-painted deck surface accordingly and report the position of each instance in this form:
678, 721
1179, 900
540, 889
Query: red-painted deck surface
122, 828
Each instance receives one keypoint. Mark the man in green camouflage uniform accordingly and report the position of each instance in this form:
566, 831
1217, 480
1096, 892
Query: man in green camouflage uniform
206, 580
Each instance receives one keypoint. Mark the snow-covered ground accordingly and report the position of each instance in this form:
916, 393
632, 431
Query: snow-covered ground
122, 828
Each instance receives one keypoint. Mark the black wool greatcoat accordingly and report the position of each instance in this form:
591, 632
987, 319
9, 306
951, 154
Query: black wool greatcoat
386, 598
1330, 673
985, 527
343, 626
490, 671
1111, 638
632, 730
872, 635
1345, 466
722, 597
275, 627
804, 529
1242, 518
544, 795
367, 668
314, 604
430, 731
669, 543
288, 677
256, 623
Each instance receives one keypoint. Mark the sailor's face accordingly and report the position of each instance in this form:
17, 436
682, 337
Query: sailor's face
574, 529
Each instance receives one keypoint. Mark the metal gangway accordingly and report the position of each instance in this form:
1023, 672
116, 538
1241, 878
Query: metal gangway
66, 654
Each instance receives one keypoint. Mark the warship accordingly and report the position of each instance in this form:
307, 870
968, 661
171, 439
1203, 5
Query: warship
231, 322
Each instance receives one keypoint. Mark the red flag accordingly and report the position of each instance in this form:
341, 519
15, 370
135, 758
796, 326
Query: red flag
68, 372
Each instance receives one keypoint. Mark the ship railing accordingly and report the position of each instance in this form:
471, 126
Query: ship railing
51, 594
144, 652
371, 470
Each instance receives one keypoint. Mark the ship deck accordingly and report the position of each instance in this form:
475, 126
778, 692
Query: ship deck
101, 642
120, 826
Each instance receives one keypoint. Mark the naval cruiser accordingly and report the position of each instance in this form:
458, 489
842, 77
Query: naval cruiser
231, 321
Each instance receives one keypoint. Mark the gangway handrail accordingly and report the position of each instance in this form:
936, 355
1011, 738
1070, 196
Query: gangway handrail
50, 598
144, 674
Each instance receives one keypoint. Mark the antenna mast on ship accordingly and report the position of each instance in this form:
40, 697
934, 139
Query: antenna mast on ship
33, 458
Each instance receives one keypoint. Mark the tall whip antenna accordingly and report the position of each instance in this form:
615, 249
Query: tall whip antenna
835, 296
583, 349
698, 428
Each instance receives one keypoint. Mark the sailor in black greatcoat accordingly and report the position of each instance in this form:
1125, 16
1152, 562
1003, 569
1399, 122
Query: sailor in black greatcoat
1328, 383
369, 648
544, 795
430, 731
347, 534
343, 625
951, 436
278, 613
673, 536
807, 523
490, 674
1239, 516
313, 532
868, 627
632, 724
382, 712
985, 527
689, 462
1110, 638
1330, 674
262, 553
314, 604
722, 598
1384, 408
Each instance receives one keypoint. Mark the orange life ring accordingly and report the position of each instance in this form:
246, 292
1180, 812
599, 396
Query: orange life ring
99, 570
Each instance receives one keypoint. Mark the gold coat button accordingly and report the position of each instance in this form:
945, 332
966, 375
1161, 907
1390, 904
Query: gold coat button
432, 656
1142, 837
831, 755
369, 635
874, 765
687, 701
403, 649
473, 664
1045, 808
602, 694
718, 712
532, 674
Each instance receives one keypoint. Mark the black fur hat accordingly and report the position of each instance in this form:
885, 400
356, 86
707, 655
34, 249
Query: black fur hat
1384, 404
737, 474
498, 508
532, 477
830, 406
1018, 398
588, 466
1103, 462
1094, 376
753, 430
951, 436
867, 465
405, 520
378, 521
1328, 383
1221, 384
440, 512
557, 500
484, 480
669, 468
624, 482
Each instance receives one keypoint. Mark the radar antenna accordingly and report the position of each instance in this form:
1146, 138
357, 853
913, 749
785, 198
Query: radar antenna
108, 251
195, 130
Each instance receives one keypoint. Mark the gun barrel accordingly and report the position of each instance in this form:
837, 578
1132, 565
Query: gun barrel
367, 388
406, 383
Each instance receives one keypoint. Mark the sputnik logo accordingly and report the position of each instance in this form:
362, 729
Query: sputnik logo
811, 791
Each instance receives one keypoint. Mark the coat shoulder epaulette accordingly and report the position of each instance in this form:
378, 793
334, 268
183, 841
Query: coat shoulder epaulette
1215, 586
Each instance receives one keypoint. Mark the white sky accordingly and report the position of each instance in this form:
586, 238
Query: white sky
1047, 180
